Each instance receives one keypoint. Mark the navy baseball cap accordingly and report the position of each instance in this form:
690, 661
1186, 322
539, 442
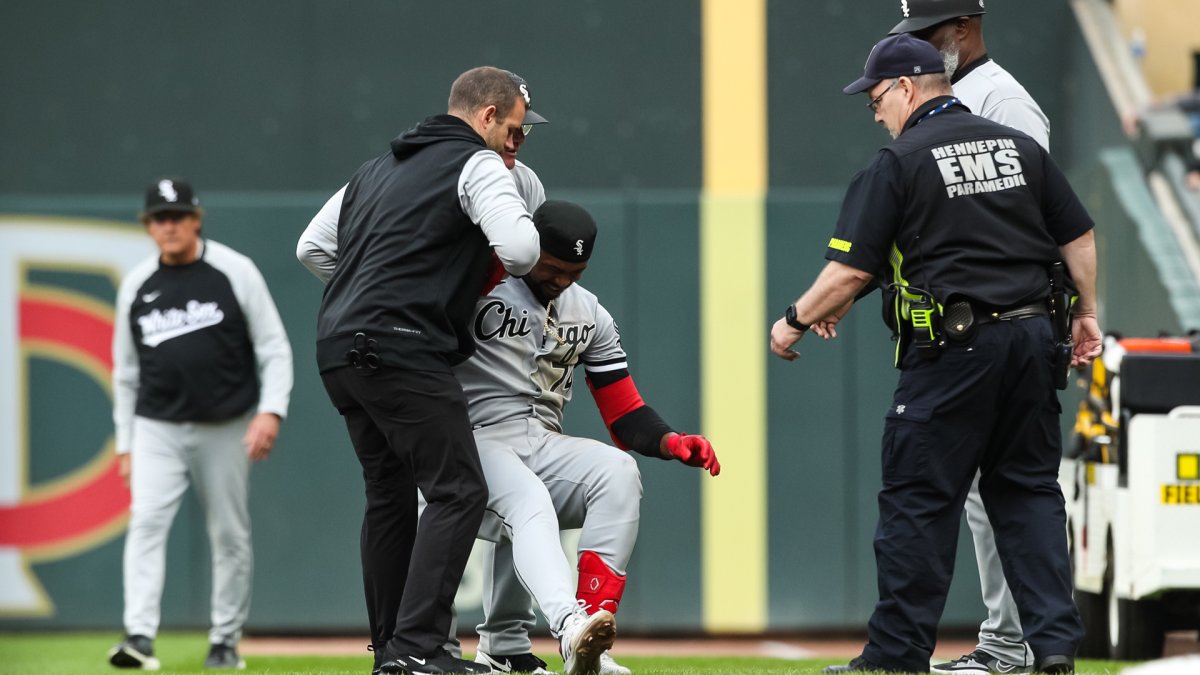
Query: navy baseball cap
921, 14
894, 56
530, 116
567, 230
170, 194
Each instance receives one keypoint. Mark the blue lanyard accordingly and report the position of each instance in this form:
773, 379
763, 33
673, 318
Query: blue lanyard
941, 108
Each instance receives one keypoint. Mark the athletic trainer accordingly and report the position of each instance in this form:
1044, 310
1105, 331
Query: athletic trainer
416, 231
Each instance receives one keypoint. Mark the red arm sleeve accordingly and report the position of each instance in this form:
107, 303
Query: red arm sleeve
616, 400
632, 424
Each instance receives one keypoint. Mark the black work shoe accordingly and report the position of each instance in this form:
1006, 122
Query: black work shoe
978, 662
378, 654
857, 665
517, 663
435, 664
1055, 663
223, 655
135, 651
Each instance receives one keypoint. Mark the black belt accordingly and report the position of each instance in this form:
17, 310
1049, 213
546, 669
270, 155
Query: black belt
1038, 308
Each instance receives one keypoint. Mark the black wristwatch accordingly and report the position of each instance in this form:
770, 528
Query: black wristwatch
790, 317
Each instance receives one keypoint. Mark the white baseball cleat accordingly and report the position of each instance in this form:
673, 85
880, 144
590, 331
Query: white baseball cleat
608, 666
135, 651
584, 639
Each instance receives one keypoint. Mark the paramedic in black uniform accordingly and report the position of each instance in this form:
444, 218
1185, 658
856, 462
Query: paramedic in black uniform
959, 209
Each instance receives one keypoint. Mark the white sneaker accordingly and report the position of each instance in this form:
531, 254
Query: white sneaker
583, 639
608, 666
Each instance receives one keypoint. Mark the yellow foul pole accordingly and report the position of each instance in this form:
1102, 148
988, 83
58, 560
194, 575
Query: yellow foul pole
733, 323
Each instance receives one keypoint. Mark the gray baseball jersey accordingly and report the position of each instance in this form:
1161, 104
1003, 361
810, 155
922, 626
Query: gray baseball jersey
991, 92
521, 376
525, 361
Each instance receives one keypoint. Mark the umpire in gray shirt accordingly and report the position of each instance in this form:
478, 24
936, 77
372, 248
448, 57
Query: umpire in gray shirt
419, 229
955, 27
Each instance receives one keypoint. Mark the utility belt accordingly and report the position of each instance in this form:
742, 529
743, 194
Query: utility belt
934, 325
931, 325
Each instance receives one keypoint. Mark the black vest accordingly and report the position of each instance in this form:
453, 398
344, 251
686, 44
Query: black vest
411, 264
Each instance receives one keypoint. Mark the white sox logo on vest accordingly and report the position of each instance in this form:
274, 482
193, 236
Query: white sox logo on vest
159, 326
976, 167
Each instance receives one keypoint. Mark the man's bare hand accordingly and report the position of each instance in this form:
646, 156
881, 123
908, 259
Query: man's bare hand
260, 436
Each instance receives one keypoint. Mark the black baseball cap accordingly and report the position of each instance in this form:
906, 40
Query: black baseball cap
530, 116
895, 56
921, 14
170, 194
567, 230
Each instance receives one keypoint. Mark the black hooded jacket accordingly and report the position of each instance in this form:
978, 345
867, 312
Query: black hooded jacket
411, 263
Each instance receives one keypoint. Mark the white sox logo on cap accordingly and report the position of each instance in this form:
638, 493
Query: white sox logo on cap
525, 92
166, 188
578, 247
904, 7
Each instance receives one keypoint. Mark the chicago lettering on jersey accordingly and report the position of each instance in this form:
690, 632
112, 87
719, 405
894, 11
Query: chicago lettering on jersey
159, 326
975, 167
576, 335
495, 319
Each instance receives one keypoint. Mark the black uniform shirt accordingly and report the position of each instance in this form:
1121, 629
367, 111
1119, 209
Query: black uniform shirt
959, 206
200, 342
195, 357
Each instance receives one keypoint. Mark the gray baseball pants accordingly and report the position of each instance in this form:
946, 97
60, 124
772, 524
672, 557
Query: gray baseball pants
541, 481
1000, 634
167, 457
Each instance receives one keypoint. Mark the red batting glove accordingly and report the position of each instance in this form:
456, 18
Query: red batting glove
694, 451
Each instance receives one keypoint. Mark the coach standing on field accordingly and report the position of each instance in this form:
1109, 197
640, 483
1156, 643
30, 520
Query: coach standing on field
963, 220
202, 375
417, 230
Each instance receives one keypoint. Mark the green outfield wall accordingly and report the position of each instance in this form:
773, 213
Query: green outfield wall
270, 106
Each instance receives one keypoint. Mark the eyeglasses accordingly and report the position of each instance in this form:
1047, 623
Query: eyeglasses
874, 104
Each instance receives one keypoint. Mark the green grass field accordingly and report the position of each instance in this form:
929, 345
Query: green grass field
83, 653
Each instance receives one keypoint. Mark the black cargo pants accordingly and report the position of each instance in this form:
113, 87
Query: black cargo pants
410, 429
991, 406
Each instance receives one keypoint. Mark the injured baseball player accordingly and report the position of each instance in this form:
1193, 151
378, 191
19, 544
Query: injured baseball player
531, 333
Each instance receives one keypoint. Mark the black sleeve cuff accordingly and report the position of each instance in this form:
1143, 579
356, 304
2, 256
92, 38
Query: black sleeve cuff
641, 431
